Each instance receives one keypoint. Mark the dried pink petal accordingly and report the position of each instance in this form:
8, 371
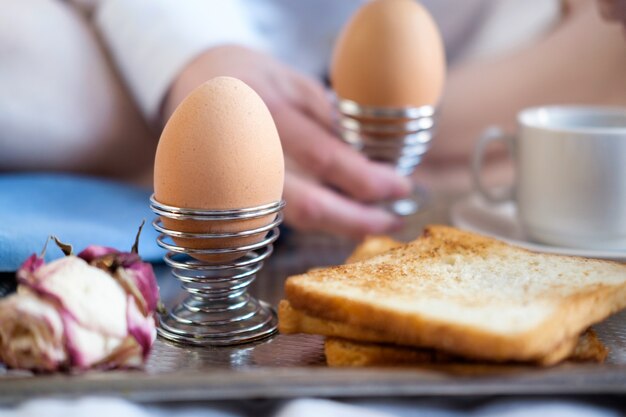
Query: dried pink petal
31, 264
85, 346
145, 280
128, 355
94, 251
31, 333
140, 327
88, 294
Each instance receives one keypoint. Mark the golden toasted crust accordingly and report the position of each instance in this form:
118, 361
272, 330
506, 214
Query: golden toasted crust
372, 246
589, 348
342, 352
290, 321
383, 274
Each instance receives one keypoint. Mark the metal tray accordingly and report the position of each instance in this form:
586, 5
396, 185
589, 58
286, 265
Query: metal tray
293, 365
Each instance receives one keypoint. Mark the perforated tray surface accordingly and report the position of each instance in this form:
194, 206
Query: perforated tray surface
289, 366
293, 365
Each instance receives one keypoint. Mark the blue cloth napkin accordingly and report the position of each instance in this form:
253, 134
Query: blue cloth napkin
78, 210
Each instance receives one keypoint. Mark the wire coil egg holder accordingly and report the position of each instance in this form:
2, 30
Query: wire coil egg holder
217, 310
399, 136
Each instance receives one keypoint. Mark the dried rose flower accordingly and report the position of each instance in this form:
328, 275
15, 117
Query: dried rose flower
96, 309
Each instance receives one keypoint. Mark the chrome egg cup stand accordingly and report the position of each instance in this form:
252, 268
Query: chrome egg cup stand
396, 136
218, 310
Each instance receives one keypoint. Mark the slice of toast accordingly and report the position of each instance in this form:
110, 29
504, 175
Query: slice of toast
291, 321
348, 345
372, 246
587, 347
343, 352
466, 294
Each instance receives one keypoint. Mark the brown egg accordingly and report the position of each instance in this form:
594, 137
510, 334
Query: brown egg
389, 54
219, 150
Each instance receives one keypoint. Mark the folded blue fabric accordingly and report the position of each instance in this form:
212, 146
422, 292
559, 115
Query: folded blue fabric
78, 210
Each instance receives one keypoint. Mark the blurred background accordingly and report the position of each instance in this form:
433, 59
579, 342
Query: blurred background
86, 87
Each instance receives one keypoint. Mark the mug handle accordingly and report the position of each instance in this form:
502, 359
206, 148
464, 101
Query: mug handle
491, 134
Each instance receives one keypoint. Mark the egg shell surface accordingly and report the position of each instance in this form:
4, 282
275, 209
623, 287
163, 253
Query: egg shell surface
220, 150
389, 54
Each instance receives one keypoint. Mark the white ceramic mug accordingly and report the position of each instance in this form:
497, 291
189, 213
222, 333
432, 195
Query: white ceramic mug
570, 175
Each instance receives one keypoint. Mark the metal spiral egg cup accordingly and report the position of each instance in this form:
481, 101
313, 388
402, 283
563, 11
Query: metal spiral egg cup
397, 136
218, 310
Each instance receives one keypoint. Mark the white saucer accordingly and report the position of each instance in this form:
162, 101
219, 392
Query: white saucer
500, 221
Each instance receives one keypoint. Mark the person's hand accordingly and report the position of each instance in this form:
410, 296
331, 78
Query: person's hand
614, 10
327, 183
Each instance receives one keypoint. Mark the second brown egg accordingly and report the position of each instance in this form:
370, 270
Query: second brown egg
389, 54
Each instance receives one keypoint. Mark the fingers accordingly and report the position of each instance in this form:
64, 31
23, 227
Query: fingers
313, 207
607, 9
334, 162
613, 9
314, 100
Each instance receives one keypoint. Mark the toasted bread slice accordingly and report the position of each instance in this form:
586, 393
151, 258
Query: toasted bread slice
292, 321
372, 246
466, 294
343, 352
589, 348
380, 349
